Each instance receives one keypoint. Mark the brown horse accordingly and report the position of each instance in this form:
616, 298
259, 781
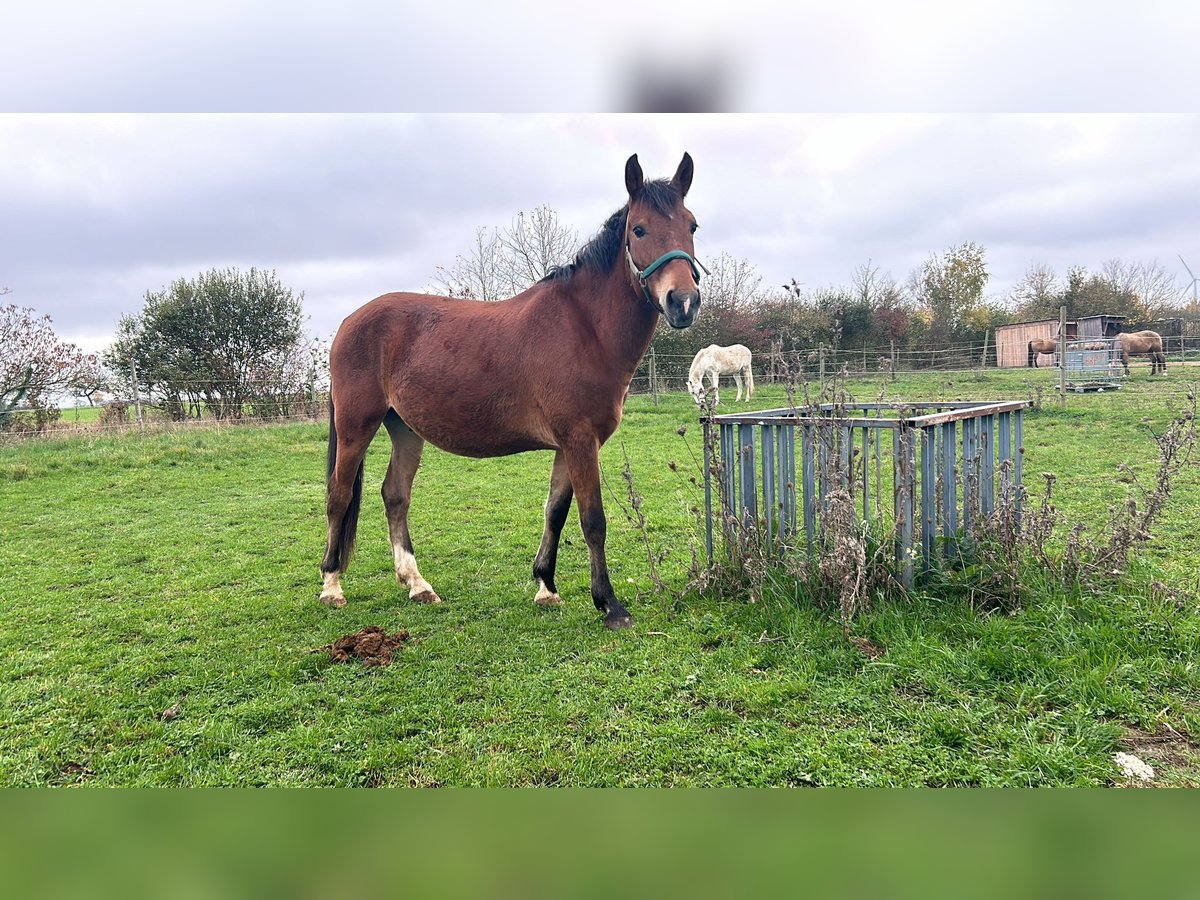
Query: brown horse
1037, 347
548, 369
1143, 343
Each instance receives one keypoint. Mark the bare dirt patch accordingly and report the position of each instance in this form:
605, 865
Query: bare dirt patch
372, 645
1167, 750
1166, 746
867, 647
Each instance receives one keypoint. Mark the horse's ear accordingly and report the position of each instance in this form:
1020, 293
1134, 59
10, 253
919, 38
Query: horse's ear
633, 175
683, 175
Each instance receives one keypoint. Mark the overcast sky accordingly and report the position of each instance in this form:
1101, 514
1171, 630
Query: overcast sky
98, 209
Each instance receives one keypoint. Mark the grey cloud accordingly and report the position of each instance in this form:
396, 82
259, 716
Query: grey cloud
97, 210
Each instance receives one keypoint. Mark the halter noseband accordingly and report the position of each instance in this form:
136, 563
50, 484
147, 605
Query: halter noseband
643, 275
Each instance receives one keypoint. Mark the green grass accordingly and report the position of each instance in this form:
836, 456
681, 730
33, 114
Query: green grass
141, 571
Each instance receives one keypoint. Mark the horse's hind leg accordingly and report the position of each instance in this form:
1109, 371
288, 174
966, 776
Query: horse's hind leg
558, 504
397, 494
348, 443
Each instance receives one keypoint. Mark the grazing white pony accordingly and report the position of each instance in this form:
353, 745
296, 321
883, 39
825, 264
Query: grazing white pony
714, 361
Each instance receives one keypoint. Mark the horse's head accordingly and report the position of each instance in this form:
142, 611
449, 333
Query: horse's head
696, 389
659, 245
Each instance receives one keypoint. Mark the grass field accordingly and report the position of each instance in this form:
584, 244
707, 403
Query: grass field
141, 572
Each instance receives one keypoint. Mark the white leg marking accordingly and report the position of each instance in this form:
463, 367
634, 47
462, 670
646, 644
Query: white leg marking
407, 574
331, 591
545, 596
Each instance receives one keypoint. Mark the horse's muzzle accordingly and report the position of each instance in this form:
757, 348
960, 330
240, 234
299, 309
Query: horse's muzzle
681, 308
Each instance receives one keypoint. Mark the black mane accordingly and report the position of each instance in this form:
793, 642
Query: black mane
603, 251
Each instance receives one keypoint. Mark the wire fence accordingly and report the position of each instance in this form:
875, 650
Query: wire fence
154, 415
669, 372
658, 373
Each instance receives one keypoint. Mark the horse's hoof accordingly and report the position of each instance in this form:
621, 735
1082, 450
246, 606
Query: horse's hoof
427, 597
546, 598
337, 601
619, 622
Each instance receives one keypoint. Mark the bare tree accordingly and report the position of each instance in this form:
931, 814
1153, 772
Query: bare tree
1154, 286
504, 262
731, 283
474, 275
875, 288
1037, 292
533, 245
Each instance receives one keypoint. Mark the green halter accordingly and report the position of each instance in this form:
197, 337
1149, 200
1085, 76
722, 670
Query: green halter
643, 275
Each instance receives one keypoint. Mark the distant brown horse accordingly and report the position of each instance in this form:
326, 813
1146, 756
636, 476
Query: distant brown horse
548, 369
1037, 347
1143, 343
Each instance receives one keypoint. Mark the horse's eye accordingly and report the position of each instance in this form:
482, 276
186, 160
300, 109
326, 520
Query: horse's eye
694, 227
639, 231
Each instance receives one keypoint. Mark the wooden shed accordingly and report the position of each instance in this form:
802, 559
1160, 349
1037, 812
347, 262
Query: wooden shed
1093, 328
1012, 341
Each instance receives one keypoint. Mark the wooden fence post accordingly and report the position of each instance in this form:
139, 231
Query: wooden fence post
137, 395
1062, 357
653, 377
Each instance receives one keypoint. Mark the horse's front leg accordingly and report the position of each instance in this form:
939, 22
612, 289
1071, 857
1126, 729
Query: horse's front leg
558, 504
716, 395
583, 466
737, 379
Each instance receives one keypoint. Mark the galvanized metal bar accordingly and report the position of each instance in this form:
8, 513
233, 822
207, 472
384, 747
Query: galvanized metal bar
928, 494
807, 439
1018, 454
959, 411
944, 410
786, 447
844, 456
949, 485
1005, 426
987, 452
902, 492
878, 478
708, 530
823, 436
969, 474
748, 495
909, 446
866, 490
850, 421
728, 484
767, 439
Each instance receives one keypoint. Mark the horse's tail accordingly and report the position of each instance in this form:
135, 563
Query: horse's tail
331, 452
337, 555
1032, 362
749, 381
